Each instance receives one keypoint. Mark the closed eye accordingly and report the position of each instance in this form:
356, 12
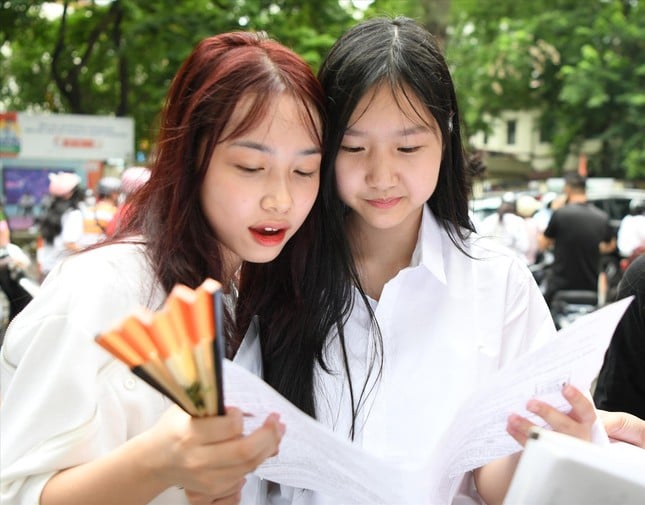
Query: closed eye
349, 149
409, 150
248, 169
304, 173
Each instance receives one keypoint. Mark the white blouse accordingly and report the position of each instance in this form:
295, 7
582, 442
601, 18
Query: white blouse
447, 322
65, 400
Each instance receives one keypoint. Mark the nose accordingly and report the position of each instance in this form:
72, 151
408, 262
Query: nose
381, 172
277, 196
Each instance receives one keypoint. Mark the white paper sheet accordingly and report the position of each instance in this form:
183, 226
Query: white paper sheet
313, 457
561, 470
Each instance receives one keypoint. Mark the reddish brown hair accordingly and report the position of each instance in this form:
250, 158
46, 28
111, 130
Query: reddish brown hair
218, 73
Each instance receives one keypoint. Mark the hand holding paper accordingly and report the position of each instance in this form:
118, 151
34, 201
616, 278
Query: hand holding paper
578, 422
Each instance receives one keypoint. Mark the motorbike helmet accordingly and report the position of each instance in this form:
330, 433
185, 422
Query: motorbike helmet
637, 206
108, 186
526, 205
62, 184
133, 178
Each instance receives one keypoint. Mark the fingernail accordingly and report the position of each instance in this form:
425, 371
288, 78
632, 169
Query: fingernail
513, 420
274, 416
567, 391
533, 406
282, 428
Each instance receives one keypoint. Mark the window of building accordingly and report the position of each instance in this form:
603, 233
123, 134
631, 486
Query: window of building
546, 132
511, 127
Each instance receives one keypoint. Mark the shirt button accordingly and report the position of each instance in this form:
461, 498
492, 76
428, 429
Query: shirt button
130, 383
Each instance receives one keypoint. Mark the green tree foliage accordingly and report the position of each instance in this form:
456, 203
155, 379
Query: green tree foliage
578, 62
118, 57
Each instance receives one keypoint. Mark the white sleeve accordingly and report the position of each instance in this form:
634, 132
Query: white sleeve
528, 323
625, 240
72, 226
64, 400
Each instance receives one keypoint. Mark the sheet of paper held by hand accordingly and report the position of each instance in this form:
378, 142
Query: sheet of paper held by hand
313, 457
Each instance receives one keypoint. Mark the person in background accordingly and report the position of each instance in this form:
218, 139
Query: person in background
61, 222
406, 312
526, 206
621, 381
14, 263
132, 179
579, 233
26, 203
507, 228
235, 177
549, 203
97, 217
631, 233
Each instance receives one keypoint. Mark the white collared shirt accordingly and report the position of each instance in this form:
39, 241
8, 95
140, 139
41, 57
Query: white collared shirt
447, 321
631, 234
64, 400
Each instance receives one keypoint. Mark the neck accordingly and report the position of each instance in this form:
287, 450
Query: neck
381, 253
230, 269
577, 197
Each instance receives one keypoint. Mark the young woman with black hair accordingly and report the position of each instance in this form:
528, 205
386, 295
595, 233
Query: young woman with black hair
399, 318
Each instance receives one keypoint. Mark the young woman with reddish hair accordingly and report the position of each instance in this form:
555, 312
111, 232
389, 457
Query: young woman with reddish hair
235, 176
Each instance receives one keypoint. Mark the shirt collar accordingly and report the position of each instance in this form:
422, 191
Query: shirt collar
429, 249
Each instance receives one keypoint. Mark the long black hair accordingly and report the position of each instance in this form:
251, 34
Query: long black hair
401, 54
308, 298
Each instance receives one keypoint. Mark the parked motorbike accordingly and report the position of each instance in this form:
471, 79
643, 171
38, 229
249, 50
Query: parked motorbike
568, 305
18, 288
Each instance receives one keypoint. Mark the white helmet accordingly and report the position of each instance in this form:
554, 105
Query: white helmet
133, 178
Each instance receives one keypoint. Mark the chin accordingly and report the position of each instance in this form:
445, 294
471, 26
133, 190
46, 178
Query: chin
264, 257
385, 224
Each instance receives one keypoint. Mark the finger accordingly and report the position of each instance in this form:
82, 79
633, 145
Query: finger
231, 460
519, 428
582, 409
246, 454
624, 427
266, 439
275, 427
560, 421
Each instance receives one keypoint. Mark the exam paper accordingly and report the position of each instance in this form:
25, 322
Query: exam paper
313, 457
478, 435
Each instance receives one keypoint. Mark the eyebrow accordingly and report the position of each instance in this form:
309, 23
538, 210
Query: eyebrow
398, 133
266, 149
